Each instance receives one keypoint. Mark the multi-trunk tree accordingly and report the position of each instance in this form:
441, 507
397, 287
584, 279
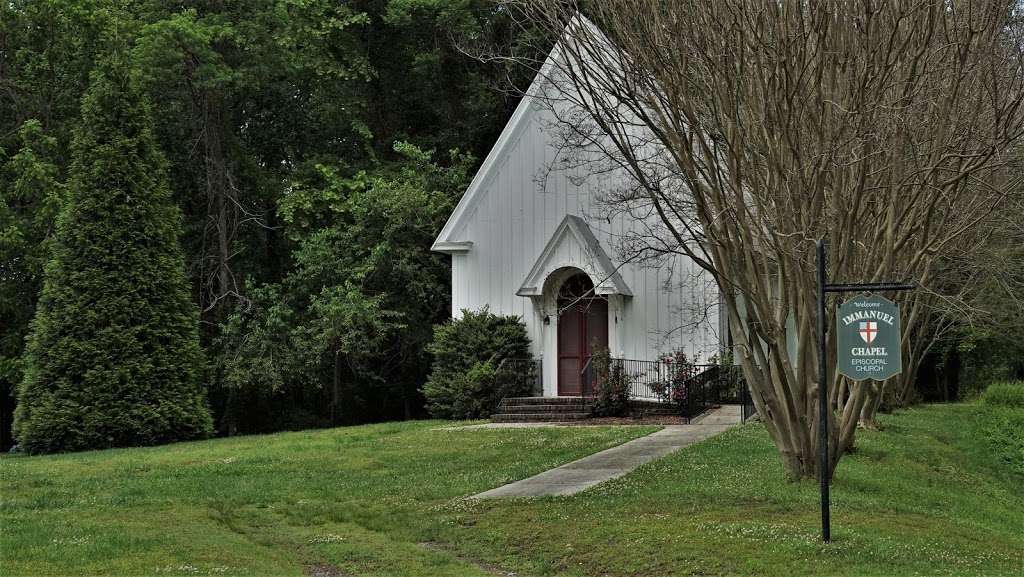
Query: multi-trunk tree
751, 129
113, 358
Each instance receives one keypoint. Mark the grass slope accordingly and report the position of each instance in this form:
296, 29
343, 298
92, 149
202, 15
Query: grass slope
266, 505
929, 495
936, 492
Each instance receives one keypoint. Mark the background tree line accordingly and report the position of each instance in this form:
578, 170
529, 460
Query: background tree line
313, 148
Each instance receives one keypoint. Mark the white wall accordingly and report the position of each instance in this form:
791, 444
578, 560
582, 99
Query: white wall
511, 221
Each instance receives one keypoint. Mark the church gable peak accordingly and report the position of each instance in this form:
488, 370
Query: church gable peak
573, 244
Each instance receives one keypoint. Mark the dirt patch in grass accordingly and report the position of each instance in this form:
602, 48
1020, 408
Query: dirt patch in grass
323, 570
488, 568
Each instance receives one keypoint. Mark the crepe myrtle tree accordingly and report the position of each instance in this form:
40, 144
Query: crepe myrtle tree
747, 130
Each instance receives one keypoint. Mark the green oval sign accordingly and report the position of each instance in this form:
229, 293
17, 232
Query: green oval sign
868, 330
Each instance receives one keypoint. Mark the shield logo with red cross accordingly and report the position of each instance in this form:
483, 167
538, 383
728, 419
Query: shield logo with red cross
868, 331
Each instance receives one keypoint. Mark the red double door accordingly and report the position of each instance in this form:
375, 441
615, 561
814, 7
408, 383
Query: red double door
582, 326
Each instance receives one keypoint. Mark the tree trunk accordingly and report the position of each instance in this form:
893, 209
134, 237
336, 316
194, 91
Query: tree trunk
787, 407
335, 387
870, 409
220, 213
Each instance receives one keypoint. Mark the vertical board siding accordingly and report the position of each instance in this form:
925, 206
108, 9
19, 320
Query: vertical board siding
519, 209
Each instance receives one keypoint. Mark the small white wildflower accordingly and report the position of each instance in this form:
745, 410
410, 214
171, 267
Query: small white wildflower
327, 538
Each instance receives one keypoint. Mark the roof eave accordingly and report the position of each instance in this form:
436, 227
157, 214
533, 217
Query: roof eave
452, 247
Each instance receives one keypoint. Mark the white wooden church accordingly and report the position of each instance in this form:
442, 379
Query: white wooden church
534, 240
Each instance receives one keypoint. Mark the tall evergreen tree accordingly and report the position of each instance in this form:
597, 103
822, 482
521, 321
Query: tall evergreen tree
114, 358
31, 195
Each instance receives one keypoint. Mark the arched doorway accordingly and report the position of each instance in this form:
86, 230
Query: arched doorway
582, 326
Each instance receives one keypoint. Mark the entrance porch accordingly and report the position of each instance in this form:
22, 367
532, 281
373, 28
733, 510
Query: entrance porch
656, 388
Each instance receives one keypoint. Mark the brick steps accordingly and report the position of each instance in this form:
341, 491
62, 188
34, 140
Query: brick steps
552, 409
541, 409
538, 417
511, 409
545, 401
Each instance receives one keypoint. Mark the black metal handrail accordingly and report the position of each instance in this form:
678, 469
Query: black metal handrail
587, 380
693, 387
747, 407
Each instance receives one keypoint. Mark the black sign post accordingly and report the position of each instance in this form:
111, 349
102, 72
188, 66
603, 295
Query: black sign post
824, 287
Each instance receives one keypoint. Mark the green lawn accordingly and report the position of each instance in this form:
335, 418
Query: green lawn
932, 494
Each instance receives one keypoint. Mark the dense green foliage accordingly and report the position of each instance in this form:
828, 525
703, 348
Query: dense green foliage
1005, 429
1005, 434
114, 358
1005, 395
28, 210
924, 496
309, 149
467, 353
338, 317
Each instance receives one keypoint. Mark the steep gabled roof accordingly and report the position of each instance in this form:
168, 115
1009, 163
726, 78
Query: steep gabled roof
448, 240
607, 280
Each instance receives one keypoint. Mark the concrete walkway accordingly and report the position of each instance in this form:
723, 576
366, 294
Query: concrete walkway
577, 476
724, 415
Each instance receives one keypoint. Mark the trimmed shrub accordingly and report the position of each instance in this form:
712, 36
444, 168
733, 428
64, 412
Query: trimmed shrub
1005, 394
469, 395
1004, 431
1004, 428
113, 359
467, 354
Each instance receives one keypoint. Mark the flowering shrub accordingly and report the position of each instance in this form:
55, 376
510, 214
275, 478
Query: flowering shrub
611, 385
680, 371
